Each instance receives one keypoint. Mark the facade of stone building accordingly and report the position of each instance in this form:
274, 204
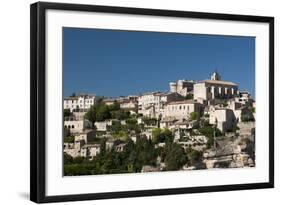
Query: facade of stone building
182, 109
215, 88
182, 87
87, 136
223, 118
90, 150
152, 104
82, 101
77, 125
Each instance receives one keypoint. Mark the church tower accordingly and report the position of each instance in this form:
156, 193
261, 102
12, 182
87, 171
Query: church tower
215, 76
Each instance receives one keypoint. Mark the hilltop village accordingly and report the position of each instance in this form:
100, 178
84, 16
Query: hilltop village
196, 125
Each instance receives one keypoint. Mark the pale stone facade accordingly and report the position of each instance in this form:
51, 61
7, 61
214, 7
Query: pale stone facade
120, 147
128, 105
90, 150
182, 109
215, 89
83, 101
223, 118
244, 98
109, 144
77, 126
167, 122
182, 87
102, 126
86, 136
152, 104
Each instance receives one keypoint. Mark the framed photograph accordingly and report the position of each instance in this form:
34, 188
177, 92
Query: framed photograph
129, 102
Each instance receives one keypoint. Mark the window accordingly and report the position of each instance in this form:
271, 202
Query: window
72, 126
180, 107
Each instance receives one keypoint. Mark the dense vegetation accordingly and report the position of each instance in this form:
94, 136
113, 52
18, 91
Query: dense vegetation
132, 159
101, 112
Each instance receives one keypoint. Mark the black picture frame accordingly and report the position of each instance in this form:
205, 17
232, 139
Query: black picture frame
38, 100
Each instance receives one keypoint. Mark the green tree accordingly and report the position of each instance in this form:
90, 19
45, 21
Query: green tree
115, 127
194, 115
208, 131
66, 131
69, 139
253, 109
120, 114
156, 135
67, 159
189, 97
175, 157
162, 135
194, 155
115, 106
103, 113
247, 117
66, 112
78, 160
91, 114
150, 121
122, 135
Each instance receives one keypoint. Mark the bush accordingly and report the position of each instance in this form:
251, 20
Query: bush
194, 115
150, 121
194, 155
175, 157
66, 112
69, 139
162, 135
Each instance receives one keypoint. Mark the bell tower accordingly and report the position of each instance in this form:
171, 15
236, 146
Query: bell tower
215, 76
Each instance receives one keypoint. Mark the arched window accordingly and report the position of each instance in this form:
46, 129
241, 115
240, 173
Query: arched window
72, 126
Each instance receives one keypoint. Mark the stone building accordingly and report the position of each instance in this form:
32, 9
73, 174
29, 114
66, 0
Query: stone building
215, 88
82, 101
152, 104
182, 87
103, 126
182, 109
223, 118
244, 98
129, 105
86, 136
76, 125
120, 147
90, 150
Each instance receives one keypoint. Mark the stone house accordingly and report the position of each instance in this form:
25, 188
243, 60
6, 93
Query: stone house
90, 150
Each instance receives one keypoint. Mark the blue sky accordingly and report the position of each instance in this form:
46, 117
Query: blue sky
114, 63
